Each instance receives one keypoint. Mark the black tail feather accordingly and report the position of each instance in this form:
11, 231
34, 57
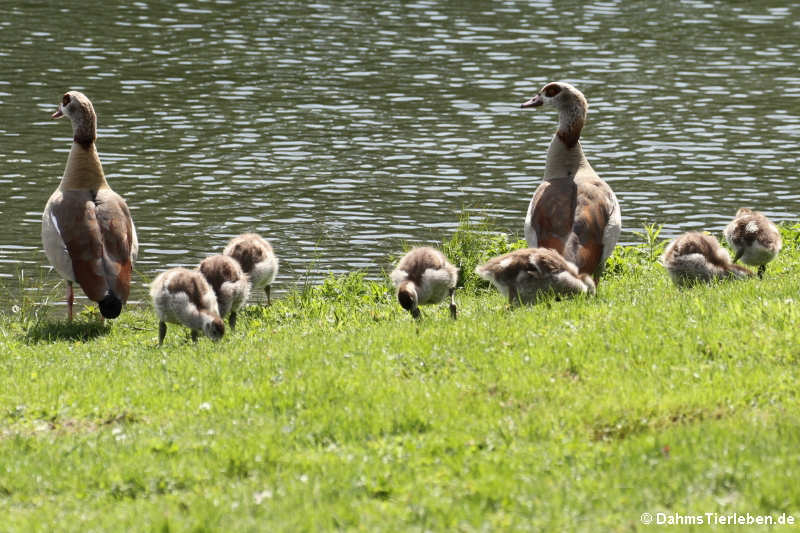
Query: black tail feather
110, 306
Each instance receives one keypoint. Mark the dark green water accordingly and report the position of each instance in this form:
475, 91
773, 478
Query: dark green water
340, 130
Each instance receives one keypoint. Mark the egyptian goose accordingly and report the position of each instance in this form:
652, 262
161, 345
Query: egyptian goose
424, 276
183, 296
257, 259
229, 282
754, 239
573, 211
87, 229
524, 275
694, 257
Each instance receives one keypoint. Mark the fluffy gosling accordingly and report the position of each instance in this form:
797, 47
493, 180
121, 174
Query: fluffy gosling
183, 296
258, 260
754, 239
424, 276
524, 275
229, 282
698, 257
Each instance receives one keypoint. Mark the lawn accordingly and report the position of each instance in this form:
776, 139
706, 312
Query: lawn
332, 409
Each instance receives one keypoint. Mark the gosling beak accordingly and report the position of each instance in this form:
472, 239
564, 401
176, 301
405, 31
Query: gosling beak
58, 113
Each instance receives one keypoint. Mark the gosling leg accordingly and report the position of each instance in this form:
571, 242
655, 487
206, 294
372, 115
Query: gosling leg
162, 332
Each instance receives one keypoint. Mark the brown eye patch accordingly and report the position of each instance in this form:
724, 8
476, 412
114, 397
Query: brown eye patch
551, 89
65, 100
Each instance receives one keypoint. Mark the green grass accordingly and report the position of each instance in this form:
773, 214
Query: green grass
333, 409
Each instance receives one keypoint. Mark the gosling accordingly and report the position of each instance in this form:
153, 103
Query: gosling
698, 257
424, 276
523, 276
229, 282
754, 239
183, 296
257, 259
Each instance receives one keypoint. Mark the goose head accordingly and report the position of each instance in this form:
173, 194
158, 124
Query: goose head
560, 95
571, 105
78, 108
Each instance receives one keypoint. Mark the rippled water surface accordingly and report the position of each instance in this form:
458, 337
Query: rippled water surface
341, 130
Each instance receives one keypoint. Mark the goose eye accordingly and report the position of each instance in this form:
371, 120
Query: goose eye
551, 90
65, 100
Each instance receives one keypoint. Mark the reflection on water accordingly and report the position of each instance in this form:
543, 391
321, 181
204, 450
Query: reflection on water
341, 130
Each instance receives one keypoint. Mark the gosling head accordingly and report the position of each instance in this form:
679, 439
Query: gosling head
214, 328
407, 296
589, 282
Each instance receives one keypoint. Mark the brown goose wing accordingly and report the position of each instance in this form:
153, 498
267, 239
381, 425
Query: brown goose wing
77, 223
553, 212
118, 241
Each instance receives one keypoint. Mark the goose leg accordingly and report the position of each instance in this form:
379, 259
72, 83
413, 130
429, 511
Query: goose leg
267, 290
232, 320
194, 335
162, 332
761, 270
453, 310
70, 300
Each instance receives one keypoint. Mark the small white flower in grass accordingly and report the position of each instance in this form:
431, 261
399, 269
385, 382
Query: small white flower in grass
119, 434
304, 478
205, 406
15, 309
259, 497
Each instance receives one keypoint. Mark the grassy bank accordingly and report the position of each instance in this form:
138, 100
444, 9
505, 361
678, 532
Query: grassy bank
332, 409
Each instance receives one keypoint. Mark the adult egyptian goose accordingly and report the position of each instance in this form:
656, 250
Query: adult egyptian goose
87, 229
524, 275
573, 211
695, 257
257, 259
229, 282
183, 296
754, 239
424, 276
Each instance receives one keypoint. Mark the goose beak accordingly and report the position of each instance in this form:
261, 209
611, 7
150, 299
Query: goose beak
536, 101
58, 113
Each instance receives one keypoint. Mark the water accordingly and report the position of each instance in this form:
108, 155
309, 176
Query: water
341, 130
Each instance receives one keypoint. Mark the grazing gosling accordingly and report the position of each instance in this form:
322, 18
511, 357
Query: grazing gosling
424, 276
754, 239
698, 257
183, 296
257, 259
523, 275
229, 282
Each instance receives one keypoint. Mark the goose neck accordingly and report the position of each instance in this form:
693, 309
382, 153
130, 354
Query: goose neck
83, 170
